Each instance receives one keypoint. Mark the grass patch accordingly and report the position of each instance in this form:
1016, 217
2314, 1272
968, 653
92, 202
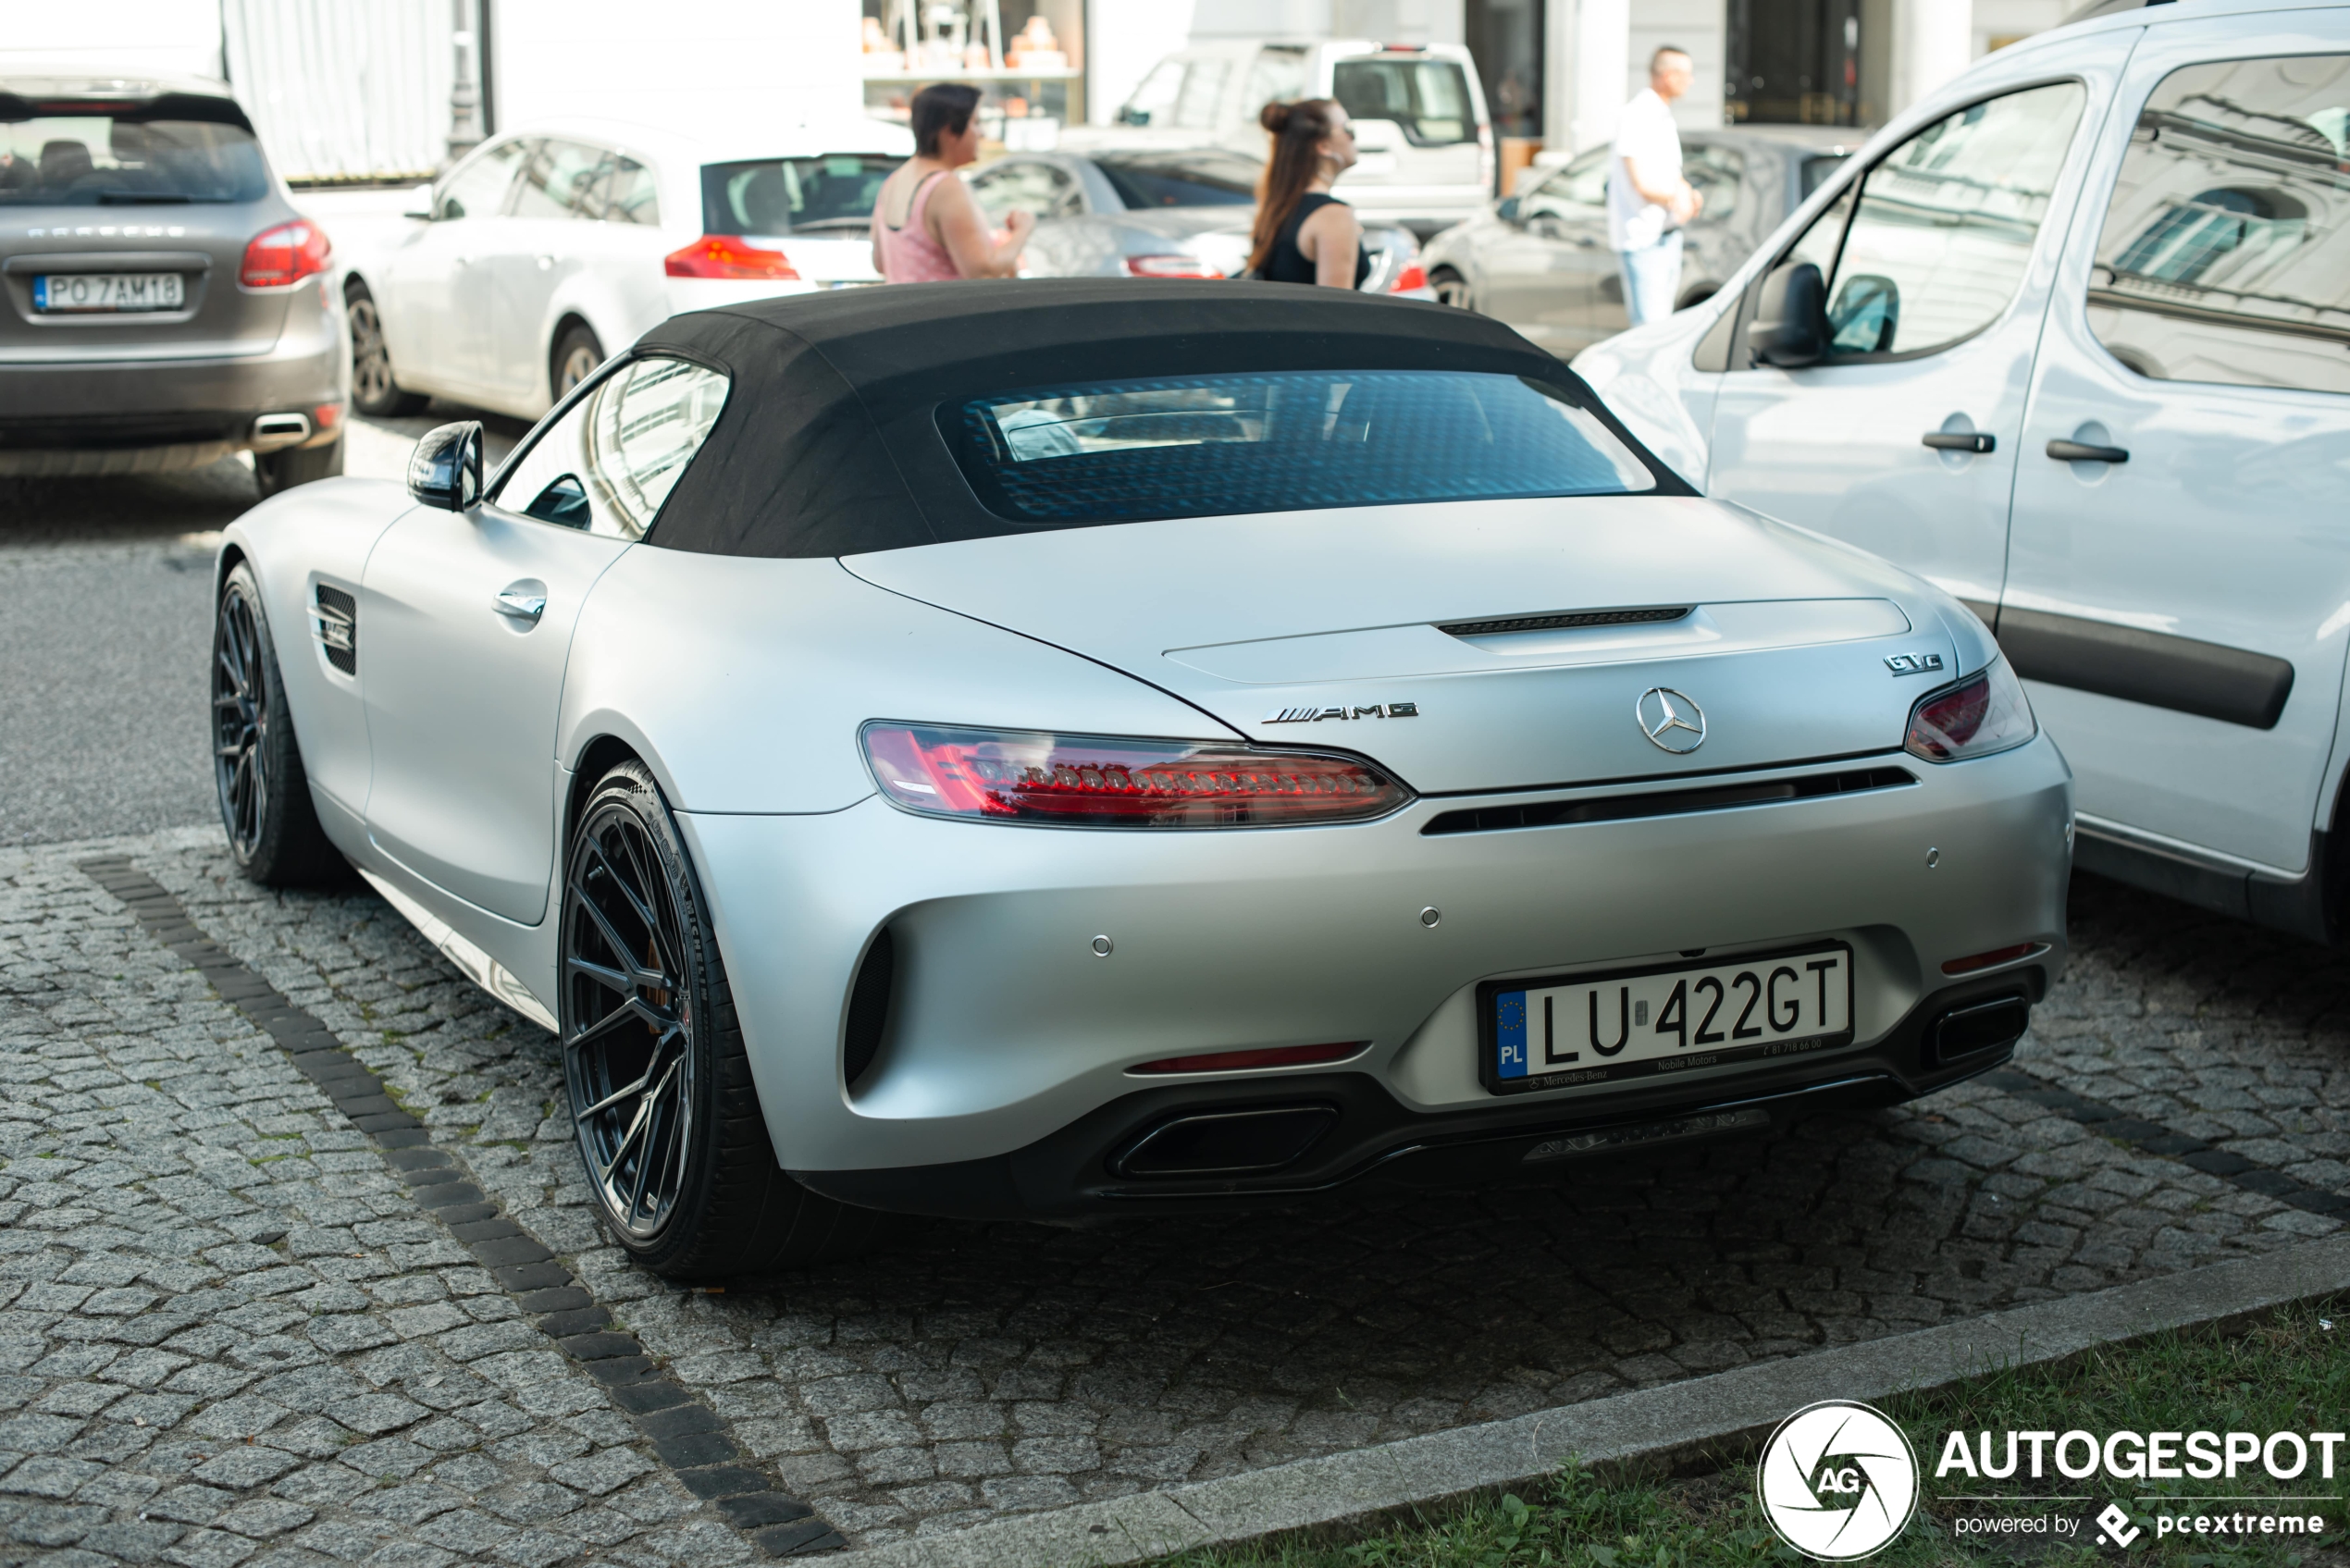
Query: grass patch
2290, 1372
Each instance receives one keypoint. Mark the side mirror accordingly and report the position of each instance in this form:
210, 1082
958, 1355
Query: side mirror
420, 202
445, 469
1790, 326
1507, 210
1129, 114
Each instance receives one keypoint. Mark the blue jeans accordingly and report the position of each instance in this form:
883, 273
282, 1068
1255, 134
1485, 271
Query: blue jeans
1651, 277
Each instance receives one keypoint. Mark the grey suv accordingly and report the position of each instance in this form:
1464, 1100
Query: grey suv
165, 305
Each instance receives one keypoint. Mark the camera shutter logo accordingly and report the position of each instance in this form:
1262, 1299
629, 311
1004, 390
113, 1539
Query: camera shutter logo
1837, 1480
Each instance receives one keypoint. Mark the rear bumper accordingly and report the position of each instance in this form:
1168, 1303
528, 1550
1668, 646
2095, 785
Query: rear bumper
77, 416
1005, 1030
1369, 1139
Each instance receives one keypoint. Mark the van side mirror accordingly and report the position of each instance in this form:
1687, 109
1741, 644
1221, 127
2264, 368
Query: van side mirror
445, 469
1129, 114
1507, 210
1790, 328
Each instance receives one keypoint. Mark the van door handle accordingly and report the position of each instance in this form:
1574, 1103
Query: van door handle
521, 603
2081, 451
1960, 440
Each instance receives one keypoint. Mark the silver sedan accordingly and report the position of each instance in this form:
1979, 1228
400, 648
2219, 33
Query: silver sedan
1157, 214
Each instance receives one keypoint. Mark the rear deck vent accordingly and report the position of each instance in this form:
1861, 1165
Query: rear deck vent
1667, 802
336, 625
869, 1009
1564, 622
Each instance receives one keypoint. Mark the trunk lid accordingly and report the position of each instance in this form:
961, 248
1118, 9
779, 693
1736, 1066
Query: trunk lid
1401, 631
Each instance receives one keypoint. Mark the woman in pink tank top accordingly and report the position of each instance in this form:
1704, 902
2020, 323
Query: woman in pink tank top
926, 227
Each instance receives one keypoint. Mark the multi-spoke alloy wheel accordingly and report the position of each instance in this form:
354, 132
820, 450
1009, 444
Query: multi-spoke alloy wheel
628, 1039
373, 387
669, 1123
265, 796
240, 764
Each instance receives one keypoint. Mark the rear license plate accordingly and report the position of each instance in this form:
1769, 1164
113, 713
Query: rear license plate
1671, 1018
97, 292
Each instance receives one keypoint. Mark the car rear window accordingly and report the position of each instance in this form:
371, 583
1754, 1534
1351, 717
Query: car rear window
1181, 180
1429, 98
86, 155
793, 196
1210, 446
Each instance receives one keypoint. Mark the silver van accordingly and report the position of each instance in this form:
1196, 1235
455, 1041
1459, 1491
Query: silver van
1418, 114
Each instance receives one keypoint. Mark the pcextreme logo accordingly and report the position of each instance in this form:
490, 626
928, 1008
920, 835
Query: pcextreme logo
1837, 1480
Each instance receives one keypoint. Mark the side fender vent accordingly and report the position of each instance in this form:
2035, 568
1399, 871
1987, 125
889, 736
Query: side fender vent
334, 620
869, 1009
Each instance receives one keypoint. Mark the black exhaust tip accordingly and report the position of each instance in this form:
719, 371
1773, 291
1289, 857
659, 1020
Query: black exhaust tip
1978, 1028
1237, 1143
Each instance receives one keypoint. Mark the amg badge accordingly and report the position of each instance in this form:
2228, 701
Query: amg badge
1914, 664
1368, 710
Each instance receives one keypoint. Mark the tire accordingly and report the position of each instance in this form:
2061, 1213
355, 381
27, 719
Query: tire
670, 1129
576, 357
274, 834
1453, 290
283, 470
373, 389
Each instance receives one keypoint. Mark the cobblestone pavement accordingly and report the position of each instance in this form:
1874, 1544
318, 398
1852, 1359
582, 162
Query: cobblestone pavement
227, 1335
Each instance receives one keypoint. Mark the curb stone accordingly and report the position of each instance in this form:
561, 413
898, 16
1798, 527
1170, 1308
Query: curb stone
1718, 1416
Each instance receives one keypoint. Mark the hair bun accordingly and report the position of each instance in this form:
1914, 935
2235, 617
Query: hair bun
1275, 116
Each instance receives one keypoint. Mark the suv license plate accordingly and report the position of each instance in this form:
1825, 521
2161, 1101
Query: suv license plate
97, 293
1665, 1018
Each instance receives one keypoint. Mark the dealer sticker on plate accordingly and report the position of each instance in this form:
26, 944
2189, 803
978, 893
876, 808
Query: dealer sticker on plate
1665, 1018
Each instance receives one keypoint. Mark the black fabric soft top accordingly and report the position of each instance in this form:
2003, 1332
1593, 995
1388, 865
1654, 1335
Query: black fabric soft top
829, 443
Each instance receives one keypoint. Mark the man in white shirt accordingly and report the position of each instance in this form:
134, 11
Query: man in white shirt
1647, 199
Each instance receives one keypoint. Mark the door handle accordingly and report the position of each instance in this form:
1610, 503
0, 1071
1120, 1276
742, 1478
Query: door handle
520, 603
1960, 440
2081, 451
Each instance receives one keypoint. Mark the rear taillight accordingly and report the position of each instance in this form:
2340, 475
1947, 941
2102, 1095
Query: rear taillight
729, 255
287, 253
1171, 266
1109, 782
1412, 277
1983, 714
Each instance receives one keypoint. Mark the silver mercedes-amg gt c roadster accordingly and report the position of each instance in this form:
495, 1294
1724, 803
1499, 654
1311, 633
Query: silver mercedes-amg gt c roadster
1068, 747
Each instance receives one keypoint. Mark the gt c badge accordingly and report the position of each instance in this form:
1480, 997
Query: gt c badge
1368, 710
1914, 664
1670, 719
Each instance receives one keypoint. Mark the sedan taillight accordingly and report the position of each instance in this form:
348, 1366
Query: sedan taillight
730, 255
1171, 266
1112, 781
1980, 715
287, 253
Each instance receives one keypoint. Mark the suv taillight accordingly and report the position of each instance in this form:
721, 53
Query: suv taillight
287, 253
1116, 782
730, 255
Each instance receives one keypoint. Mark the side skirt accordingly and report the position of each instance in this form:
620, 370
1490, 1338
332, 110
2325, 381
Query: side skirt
2291, 904
478, 965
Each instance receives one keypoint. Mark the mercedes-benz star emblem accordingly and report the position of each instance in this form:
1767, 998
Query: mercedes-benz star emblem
1670, 719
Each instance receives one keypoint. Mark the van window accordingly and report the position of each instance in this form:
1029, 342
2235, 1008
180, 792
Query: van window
1428, 99
1937, 242
2219, 259
1276, 76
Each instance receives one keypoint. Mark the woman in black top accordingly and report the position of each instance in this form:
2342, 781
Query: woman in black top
1304, 234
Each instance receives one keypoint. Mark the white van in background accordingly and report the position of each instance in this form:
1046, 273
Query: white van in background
1419, 118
